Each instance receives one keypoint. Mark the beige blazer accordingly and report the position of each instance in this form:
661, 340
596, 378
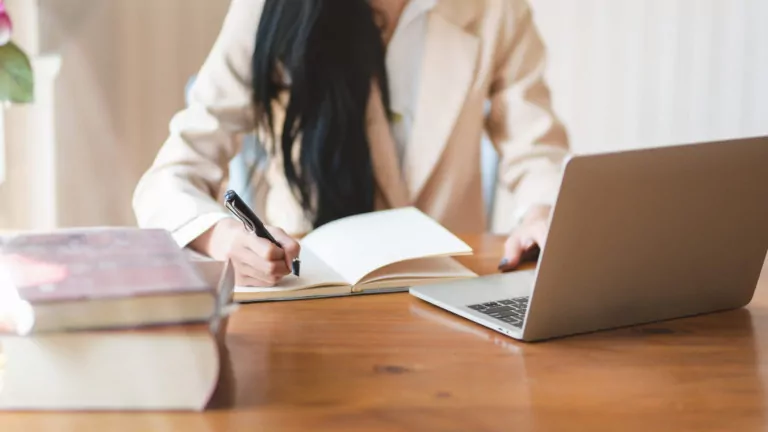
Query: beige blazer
475, 52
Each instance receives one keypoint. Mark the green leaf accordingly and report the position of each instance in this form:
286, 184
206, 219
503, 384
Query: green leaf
16, 78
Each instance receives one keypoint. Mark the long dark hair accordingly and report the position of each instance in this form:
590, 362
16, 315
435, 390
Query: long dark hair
333, 52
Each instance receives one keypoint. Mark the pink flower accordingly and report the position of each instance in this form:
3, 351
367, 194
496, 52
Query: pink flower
5, 25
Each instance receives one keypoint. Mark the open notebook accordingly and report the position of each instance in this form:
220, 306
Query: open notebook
383, 251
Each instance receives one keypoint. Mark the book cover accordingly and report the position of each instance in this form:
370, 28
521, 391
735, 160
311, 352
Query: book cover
86, 264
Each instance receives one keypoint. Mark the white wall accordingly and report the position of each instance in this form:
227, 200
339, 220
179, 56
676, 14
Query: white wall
28, 149
125, 64
624, 73
631, 73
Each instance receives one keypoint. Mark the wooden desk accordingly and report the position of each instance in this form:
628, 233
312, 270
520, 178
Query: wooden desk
392, 363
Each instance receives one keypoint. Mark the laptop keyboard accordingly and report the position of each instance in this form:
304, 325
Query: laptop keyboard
511, 311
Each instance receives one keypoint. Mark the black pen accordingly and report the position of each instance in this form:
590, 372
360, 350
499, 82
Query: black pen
253, 224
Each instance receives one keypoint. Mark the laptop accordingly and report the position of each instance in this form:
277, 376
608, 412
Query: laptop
635, 237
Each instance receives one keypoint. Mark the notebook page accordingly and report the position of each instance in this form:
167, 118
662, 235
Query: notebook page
358, 245
423, 268
314, 273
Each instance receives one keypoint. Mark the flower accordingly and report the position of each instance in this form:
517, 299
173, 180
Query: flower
5, 25
17, 84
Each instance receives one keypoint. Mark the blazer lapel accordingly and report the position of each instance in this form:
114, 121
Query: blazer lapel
386, 168
450, 59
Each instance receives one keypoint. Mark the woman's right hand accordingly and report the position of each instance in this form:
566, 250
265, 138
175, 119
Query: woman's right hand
256, 261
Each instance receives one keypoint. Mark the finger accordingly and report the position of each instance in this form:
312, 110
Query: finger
244, 269
264, 269
529, 245
538, 234
263, 248
246, 275
512, 254
291, 247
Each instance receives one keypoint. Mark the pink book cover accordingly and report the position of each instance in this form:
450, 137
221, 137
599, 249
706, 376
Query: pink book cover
103, 263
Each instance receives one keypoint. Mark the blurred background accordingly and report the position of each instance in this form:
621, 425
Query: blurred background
624, 74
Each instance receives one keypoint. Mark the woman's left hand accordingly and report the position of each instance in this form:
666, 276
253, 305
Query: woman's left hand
527, 239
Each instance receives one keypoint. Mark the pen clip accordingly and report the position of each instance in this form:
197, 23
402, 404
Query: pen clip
247, 223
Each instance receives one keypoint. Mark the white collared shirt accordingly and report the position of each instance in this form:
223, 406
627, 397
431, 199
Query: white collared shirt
404, 61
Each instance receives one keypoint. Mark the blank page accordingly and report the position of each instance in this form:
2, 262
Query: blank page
358, 245
424, 268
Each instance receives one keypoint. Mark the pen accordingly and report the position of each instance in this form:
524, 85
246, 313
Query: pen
253, 224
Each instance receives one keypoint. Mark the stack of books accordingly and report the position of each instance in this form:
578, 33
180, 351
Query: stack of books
109, 319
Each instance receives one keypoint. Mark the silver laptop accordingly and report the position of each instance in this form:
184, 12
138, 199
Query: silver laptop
635, 237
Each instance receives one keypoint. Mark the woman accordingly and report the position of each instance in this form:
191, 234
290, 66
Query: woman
379, 103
